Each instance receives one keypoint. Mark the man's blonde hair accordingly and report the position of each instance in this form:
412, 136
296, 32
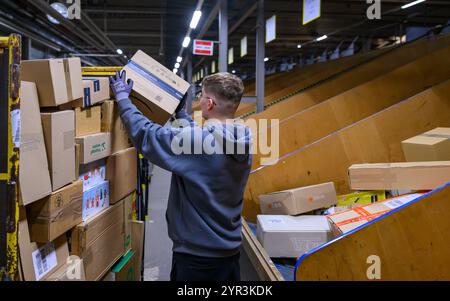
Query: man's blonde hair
224, 86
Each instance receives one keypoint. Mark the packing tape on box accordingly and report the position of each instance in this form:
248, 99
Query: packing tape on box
95, 81
69, 139
87, 101
436, 136
361, 218
155, 80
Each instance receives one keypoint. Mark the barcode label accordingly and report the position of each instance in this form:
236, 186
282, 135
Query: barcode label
400, 201
44, 260
15, 127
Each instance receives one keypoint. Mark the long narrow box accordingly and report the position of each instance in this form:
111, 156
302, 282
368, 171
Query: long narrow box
56, 214
100, 241
59, 135
348, 220
34, 176
292, 236
391, 176
299, 200
58, 80
157, 91
433, 145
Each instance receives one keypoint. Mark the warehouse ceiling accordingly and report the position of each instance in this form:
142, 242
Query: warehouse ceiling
158, 27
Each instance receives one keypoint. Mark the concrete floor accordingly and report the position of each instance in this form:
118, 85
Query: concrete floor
158, 246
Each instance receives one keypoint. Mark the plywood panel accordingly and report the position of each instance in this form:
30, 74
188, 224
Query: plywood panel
374, 139
353, 78
412, 243
364, 100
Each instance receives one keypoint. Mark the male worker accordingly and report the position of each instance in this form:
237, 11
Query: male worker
206, 194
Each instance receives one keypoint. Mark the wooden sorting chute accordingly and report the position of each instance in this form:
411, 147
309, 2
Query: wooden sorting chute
411, 242
352, 78
374, 139
265, 268
364, 100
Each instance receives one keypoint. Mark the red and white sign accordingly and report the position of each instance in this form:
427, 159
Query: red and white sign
202, 47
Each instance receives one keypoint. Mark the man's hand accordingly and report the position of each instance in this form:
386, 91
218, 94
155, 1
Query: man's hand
120, 86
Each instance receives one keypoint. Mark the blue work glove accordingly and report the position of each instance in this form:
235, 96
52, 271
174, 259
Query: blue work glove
182, 104
120, 86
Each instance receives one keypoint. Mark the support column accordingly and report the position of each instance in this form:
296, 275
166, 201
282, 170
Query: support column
190, 97
260, 54
223, 36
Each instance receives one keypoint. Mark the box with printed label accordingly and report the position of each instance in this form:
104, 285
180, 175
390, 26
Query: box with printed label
433, 145
100, 241
95, 90
92, 174
39, 261
95, 200
87, 121
94, 147
392, 176
292, 236
157, 91
299, 200
112, 123
121, 172
34, 177
58, 81
73, 270
59, 134
56, 214
345, 221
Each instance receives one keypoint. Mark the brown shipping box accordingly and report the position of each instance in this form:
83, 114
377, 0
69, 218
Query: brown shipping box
391, 176
124, 269
348, 220
87, 121
53, 216
128, 218
157, 91
34, 177
137, 245
121, 172
100, 241
112, 123
299, 200
58, 80
59, 132
433, 145
94, 147
39, 261
71, 271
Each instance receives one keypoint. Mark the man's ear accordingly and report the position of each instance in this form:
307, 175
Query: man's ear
210, 105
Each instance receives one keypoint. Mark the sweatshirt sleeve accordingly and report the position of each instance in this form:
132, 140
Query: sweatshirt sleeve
151, 139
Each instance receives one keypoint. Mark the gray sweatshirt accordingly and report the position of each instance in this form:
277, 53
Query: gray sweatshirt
206, 193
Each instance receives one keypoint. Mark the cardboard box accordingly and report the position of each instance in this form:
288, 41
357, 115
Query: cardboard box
137, 245
93, 174
111, 122
292, 236
299, 200
53, 216
128, 218
77, 159
58, 81
157, 91
94, 147
99, 241
97, 88
361, 198
124, 269
348, 220
95, 200
39, 261
59, 132
73, 270
121, 172
34, 177
87, 121
391, 176
433, 145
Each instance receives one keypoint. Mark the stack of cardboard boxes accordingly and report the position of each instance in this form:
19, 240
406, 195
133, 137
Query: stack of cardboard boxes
77, 177
285, 231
